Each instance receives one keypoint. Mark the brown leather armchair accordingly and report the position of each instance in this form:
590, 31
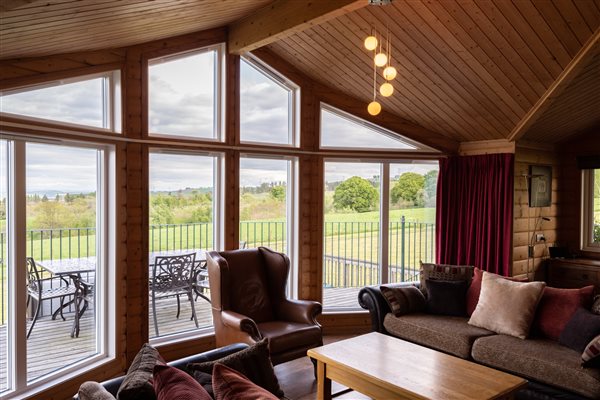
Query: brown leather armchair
247, 290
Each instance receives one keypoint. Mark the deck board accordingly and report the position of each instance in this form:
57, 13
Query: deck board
50, 346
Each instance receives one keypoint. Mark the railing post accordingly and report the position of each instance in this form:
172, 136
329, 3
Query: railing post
402, 224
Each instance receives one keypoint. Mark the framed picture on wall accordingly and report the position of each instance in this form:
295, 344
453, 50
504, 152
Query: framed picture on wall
540, 185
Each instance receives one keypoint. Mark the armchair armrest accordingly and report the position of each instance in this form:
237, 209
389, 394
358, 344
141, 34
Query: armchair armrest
370, 298
240, 322
303, 311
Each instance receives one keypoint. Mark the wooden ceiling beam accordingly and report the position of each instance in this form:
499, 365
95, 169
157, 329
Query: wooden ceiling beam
585, 54
282, 19
358, 107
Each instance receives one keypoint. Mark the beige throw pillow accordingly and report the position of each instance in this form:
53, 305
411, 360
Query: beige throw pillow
505, 306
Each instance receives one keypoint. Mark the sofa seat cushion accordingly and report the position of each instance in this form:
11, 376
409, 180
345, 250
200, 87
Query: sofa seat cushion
452, 335
541, 360
284, 336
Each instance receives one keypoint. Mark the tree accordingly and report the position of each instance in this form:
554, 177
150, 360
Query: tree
278, 193
430, 188
410, 188
356, 194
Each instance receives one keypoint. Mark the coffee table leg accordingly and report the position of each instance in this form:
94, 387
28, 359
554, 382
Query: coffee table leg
323, 383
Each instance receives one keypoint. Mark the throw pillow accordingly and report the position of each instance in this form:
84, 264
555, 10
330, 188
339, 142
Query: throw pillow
230, 384
591, 354
506, 307
580, 330
475, 288
596, 305
94, 391
254, 362
172, 383
205, 380
556, 308
136, 384
446, 297
444, 272
404, 300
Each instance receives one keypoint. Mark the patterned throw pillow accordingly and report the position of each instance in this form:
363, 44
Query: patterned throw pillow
94, 391
596, 305
137, 383
404, 300
254, 362
591, 354
445, 272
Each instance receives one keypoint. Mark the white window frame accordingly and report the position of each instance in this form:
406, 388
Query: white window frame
293, 101
105, 283
111, 101
418, 147
219, 89
587, 211
218, 231
292, 202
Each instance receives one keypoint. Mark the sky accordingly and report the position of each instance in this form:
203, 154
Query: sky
182, 103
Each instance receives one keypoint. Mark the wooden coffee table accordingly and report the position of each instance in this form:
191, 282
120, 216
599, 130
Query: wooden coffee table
384, 367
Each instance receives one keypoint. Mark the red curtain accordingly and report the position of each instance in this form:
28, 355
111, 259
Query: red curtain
474, 212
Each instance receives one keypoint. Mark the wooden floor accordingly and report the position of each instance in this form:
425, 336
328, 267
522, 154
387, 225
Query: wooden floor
50, 346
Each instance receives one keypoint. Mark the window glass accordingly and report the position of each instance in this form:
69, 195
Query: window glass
183, 96
596, 201
351, 232
264, 203
81, 102
62, 242
4, 305
411, 219
266, 110
342, 130
182, 215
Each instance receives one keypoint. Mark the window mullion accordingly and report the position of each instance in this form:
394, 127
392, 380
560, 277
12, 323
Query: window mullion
384, 219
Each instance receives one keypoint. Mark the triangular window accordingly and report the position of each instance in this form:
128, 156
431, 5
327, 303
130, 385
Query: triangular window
83, 101
345, 131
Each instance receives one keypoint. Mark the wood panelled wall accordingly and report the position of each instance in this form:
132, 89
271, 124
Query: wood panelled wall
132, 179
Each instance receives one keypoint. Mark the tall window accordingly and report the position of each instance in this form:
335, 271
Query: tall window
54, 255
184, 95
184, 220
379, 216
268, 105
92, 101
591, 210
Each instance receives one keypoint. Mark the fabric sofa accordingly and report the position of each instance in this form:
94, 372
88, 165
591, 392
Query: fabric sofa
553, 371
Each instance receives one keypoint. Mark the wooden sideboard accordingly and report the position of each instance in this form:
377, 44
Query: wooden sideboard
573, 272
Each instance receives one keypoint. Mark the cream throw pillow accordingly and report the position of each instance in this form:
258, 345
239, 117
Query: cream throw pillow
505, 306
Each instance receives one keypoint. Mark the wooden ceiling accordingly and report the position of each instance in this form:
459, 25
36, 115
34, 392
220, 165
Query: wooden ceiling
468, 69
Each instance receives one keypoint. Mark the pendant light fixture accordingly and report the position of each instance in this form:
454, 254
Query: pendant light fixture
374, 108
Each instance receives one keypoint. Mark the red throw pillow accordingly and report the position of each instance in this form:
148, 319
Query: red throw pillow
171, 383
229, 384
475, 288
557, 307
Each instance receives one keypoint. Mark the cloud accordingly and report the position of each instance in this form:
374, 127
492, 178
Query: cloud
254, 171
172, 172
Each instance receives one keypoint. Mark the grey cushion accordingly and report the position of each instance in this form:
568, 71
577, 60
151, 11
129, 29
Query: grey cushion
94, 391
448, 334
136, 384
541, 360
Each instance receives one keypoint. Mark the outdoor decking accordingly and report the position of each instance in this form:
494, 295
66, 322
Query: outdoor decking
50, 346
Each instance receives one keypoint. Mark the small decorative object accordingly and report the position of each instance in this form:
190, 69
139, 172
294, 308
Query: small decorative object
540, 186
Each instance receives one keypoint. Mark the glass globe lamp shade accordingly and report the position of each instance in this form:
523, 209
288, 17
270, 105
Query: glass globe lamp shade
371, 43
374, 108
380, 59
386, 89
389, 73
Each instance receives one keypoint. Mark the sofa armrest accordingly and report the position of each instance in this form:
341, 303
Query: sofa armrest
370, 298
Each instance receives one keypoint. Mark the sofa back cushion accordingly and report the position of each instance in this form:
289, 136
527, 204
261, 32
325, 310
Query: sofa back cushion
557, 307
444, 272
506, 307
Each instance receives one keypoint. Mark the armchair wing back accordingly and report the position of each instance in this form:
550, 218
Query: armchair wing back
247, 289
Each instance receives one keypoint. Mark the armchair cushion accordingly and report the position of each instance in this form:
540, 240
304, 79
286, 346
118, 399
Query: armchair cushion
285, 335
254, 362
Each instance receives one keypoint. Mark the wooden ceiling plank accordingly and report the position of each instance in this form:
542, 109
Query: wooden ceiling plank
282, 19
558, 25
590, 49
483, 67
446, 64
574, 19
537, 23
442, 98
10, 5
58, 8
403, 85
590, 10
531, 88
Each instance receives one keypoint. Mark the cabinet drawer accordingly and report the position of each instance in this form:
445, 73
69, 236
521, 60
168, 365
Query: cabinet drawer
571, 276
